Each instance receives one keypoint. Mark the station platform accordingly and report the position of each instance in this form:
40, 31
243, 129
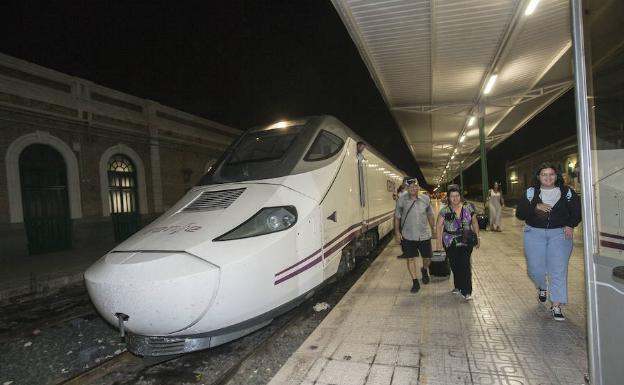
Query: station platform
41, 274
380, 333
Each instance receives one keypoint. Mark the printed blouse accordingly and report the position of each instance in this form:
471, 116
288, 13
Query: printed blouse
454, 227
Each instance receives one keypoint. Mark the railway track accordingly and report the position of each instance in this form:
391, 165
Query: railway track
127, 364
22, 319
125, 361
126, 368
229, 374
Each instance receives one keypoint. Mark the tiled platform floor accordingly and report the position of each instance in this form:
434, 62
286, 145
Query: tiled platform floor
380, 333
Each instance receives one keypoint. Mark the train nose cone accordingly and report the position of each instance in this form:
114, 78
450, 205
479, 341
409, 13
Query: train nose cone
161, 292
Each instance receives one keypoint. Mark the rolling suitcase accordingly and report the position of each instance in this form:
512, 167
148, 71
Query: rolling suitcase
483, 220
439, 265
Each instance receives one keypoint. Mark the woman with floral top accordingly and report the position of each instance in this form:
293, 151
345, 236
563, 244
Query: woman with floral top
457, 231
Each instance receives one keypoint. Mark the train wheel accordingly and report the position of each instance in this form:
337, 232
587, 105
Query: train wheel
375, 236
347, 261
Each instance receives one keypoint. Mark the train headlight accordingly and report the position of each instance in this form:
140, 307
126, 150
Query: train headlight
267, 220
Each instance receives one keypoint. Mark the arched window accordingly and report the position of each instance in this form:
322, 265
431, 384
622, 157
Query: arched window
122, 193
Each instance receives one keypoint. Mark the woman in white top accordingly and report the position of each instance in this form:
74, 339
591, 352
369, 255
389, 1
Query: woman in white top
496, 206
551, 210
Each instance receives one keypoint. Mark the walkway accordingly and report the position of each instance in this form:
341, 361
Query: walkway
380, 333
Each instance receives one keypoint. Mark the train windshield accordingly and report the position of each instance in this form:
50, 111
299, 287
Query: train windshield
263, 146
258, 154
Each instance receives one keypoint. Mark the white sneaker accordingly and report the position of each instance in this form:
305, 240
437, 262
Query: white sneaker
557, 314
455, 291
542, 295
468, 297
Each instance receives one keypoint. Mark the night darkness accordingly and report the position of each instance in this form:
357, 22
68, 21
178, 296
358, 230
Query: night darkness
238, 63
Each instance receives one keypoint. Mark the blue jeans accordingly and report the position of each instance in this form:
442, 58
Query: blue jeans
548, 252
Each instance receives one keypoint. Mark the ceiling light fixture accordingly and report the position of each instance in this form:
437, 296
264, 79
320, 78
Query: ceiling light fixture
531, 7
490, 84
471, 121
462, 138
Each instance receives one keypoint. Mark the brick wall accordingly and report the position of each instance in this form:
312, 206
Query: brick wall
181, 165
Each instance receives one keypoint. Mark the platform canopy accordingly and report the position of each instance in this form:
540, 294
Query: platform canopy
432, 60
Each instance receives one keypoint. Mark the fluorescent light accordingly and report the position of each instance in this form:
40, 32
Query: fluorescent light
471, 121
452, 156
531, 7
490, 84
462, 138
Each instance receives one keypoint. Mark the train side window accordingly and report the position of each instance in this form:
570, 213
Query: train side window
325, 146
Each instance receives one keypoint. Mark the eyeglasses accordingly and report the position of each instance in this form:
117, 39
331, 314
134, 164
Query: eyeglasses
412, 181
549, 174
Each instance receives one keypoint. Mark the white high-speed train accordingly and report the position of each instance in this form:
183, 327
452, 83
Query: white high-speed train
286, 207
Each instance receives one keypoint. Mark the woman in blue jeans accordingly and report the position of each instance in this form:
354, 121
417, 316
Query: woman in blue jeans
551, 211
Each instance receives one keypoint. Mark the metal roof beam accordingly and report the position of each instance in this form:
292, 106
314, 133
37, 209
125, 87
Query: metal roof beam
506, 101
516, 100
431, 108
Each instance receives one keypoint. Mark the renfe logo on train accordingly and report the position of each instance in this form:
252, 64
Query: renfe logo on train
189, 228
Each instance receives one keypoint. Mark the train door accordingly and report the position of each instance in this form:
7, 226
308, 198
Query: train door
309, 247
43, 176
362, 189
122, 194
599, 76
340, 211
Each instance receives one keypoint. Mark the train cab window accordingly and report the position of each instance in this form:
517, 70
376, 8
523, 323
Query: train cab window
260, 154
264, 145
325, 146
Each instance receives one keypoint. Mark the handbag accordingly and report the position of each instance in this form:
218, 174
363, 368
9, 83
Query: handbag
470, 238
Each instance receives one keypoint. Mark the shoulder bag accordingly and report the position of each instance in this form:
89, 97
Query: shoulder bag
405, 218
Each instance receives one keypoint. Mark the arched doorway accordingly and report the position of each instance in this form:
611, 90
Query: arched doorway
122, 193
43, 176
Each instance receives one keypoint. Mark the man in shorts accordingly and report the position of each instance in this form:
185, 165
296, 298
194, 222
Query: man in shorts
413, 227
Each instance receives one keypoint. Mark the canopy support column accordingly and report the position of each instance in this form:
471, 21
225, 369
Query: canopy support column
484, 170
461, 177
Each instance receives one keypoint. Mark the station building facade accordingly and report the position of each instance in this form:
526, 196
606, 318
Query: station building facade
84, 166
563, 154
